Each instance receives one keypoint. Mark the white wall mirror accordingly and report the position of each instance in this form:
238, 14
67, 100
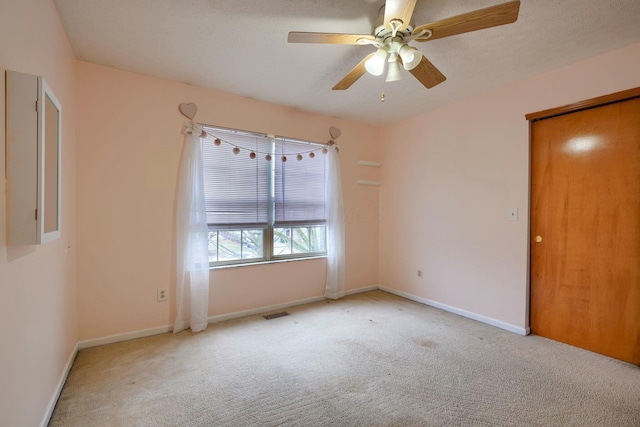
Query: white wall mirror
49, 145
34, 141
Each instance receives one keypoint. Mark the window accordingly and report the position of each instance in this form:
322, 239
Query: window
261, 206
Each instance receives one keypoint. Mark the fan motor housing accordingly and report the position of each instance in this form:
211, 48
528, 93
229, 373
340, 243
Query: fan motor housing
384, 35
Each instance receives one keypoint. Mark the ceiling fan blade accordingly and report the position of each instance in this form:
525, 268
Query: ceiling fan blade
353, 75
330, 38
493, 16
398, 10
428, 74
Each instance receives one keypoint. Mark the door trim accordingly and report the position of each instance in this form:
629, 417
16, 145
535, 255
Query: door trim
583, 105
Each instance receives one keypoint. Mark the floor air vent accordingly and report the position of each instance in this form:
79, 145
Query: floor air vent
275, 315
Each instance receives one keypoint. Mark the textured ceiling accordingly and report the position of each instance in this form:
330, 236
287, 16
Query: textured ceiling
241, 47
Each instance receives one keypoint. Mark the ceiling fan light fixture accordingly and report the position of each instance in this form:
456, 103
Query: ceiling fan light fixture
394, 28
411, 57
394, 73
375, 64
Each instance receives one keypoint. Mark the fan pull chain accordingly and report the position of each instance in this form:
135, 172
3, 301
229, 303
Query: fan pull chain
382, 96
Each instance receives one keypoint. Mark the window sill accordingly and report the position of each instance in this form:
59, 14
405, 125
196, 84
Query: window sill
275, 261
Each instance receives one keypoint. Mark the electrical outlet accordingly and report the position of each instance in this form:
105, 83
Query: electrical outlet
162, 294
419, 273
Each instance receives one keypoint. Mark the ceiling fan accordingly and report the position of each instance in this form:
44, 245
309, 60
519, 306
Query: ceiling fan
392, 33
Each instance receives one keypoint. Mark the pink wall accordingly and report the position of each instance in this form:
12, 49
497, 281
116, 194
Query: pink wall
129, 146
38, 315
451, 176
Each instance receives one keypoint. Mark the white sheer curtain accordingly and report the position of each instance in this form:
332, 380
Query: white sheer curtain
192, 256
335, 227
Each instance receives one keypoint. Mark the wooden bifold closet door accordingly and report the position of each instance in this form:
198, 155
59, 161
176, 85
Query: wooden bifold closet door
585, 229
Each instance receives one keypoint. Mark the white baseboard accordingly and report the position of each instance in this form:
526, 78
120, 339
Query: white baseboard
63, 379
276, 307
360, 290
124, 337
262, 310
484, 319
338, 295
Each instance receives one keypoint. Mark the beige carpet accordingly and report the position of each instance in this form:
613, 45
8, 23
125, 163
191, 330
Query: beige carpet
372, 359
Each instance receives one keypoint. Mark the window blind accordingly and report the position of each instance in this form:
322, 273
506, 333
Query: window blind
236, 186
299, 184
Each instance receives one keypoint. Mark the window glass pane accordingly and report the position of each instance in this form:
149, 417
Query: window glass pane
229, 247
213, 246
281, 241
252, 244
300, 240
318, 239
